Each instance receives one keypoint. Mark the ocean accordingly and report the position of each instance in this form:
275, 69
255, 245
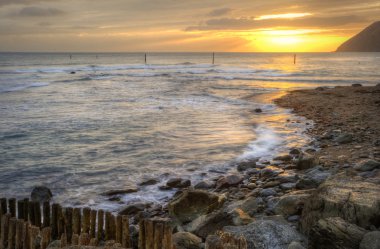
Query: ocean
85, 123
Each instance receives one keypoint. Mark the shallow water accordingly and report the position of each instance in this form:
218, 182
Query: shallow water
117, 120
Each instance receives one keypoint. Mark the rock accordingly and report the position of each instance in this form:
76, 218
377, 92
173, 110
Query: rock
284, 158
185, 240
335, 233
291, 204
249, 205
268, 192
294, 218
204, 185
54, 244
287, 186
344, 138
245, 165
209, 224
270, 171
148, 181
352, 199
356, 85
320, 88
164, 187
371, 240
191, 204
120, 191
296, 245
229, 181
313, 178
367, 165
213, 241
41, 194
269, 232
306, 161
287, 177
258, 110
178, 183
134, 208
294, 152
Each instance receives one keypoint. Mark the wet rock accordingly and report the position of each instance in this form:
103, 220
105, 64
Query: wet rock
178, 183
367, 165
251, 172
269, 232
313, 178
291, 204
134, 208
191, 204
284, 158
164, 188
350, 198
204, 185
245, 165
120, 191
185, 240
320, 88
371, 240
356, 85
208, 224
287, 186
335, 233
149, 181
268, 192
294, 218
270, 171
306, 161
296, 245
294, 152
41, 194
344, 138
213, 241
249, 205
258, 110
229, 181
287, 177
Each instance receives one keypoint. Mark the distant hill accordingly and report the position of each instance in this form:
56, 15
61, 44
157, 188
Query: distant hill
367, 40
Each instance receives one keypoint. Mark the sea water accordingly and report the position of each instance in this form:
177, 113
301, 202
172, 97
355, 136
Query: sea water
83, 124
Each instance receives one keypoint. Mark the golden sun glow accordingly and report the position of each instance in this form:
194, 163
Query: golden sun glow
282, 16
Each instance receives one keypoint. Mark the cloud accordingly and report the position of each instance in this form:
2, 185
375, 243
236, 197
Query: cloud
249, 23
39, 12
220, 12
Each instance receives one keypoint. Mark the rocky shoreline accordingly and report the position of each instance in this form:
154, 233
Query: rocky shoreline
328, 197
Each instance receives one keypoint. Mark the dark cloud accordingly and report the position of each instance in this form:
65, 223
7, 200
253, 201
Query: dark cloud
220, 12
250, 23
40, 12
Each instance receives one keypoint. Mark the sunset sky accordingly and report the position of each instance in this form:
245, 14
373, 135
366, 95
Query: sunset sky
182, 25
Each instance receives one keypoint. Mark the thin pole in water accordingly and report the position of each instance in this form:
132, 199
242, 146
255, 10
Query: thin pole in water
145, 58
213, 58
295, 59
70, 56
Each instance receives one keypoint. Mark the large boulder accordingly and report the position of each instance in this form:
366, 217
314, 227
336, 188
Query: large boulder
313, 178
184, 240
291, 204
269, 232
350, 198
371, 240
335, 233
191, 204
41, 194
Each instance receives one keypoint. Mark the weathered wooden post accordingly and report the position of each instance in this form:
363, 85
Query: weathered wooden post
26, 209
46, 212
12, 232
76, 221
3, 205
64, 240
60, 221
12, 207
213, 58
84, 239
149, 234
125, 237
142, 238
54, 221
45, 237
100, 224
75, 239
19, 240
31, 213
118, 227
20, 209
37, 213
108, 228
93, 223
86, 220
34, 232
4, 230
69, 223
158, 234
26, 235
167, 240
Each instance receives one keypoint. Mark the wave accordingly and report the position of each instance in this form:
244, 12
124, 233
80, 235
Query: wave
23, 87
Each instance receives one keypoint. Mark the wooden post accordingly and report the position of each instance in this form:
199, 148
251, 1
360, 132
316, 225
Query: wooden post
84, 239
145, 58
100, 224
158, 234
86, 220
167, 240
12, 233
125, 237
69, 223
108, 226
118, 228
20, 209
149, 234
26, 235
75, 239
295, 59
45, 237
141, 244
4, 230
213, 58
12, 207
34, 231
37, 213
19, 240
26, 209
94, 242
64, 240
60, 221
93, 223
4, 209
31, 213
46, 212
76, 221
54, 221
